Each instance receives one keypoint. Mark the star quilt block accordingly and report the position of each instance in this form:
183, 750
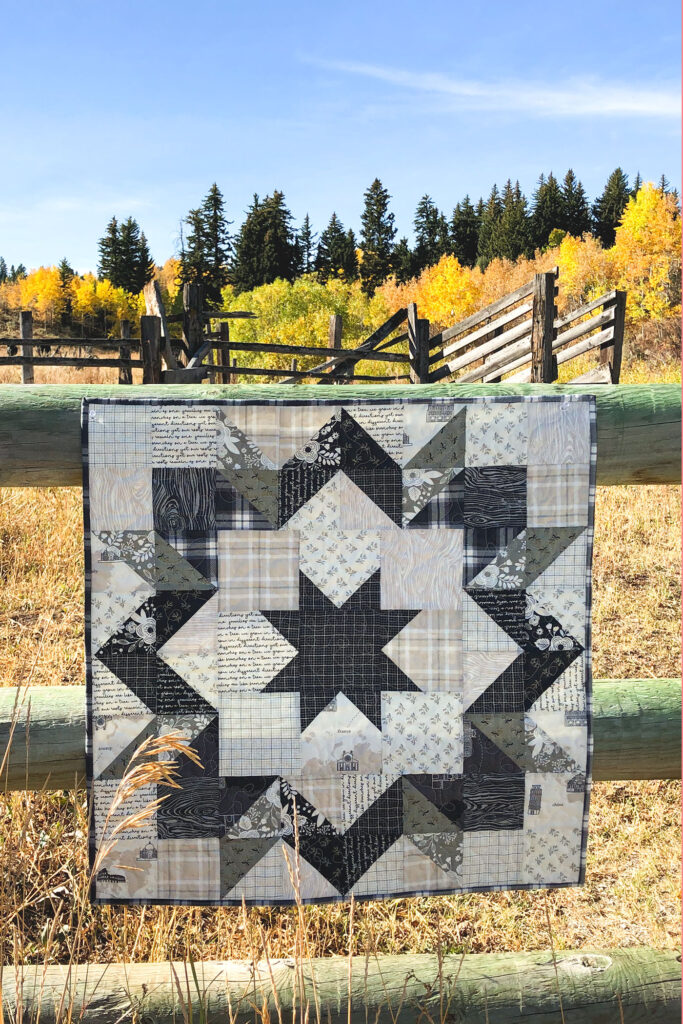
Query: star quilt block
370, 618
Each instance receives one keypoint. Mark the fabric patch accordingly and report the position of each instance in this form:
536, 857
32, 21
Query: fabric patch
370, 618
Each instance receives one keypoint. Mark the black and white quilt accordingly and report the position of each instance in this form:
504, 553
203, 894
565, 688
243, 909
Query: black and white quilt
371, 620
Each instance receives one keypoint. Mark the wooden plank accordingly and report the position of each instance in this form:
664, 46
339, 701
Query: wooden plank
595, 322
611, 352
543, 370
335, 331
224, 376
312, 350
125, 372
154, 306
482, 314
73, 342
490, 328
414, 354
636, 731
488, 347
256, 371
499, 359
639, 425
193, 325
605, 300
63, 361
587, 986
382, 332
600, 374
26, 333
150, 345
593, 341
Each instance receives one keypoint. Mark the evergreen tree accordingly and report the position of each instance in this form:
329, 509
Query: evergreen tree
3, 270
664, 187
307, 239
609, 207
431, 235
66, 272
205, 252
124, 256
336, 253
548, 210
217, 245
465, 232
491, 214
17, 273
110, 251
637, 185
377, 237
577, 216
404, 264
510, 236
266, 247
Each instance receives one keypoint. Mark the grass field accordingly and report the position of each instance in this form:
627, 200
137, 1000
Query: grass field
631, 896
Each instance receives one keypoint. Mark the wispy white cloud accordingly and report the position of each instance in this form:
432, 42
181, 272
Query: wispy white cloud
576, 97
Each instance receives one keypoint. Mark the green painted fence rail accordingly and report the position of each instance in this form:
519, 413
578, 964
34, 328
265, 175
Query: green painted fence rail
636, 730
639, 426
631, 986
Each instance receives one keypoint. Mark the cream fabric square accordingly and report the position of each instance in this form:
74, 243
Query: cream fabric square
421, 568
258, 570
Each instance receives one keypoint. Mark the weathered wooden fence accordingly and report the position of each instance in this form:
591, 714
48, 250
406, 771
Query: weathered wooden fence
636, 736
522, 330
519, 332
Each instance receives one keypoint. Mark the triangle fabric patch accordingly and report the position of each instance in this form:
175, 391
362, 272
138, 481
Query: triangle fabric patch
339, 561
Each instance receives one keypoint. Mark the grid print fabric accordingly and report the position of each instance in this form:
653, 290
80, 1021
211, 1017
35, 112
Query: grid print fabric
371, 621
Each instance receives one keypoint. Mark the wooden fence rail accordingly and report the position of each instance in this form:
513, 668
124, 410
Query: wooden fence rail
631, 986
636, 733
639, 426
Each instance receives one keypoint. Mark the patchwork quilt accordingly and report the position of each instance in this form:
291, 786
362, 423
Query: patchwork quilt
369, 618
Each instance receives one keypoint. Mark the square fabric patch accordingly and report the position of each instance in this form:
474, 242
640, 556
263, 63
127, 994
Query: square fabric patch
371, 620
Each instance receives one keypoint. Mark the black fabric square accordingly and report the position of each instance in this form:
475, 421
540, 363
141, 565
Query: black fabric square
482, 545
495, 496
446, 510
183, 499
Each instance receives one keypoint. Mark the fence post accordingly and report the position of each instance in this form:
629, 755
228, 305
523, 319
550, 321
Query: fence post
125, 371
150, 348
26, 334
334, 337
418, 346
224, 351
543, 366
610, 351
193, 326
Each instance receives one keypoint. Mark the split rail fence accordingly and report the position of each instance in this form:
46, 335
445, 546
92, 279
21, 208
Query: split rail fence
636, 736
520, 337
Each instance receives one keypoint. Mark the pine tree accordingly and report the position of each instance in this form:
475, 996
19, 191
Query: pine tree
66, 272
577, 216
664, 187
3, 270
637, 185
217, 245
110, 252
609, 207
377, 237
548, 210
465, 233
307, 239
336, 253
124, 256
491, 214
431, 234
193, 263
266, 247
404, 261
510, 236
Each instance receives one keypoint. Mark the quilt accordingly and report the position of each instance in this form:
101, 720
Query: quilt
370, 618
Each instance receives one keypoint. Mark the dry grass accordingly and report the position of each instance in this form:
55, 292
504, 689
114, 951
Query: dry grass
631, 896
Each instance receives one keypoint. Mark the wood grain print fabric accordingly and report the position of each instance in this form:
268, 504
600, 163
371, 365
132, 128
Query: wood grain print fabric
370, 620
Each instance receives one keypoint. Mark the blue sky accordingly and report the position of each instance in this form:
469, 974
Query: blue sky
136, 108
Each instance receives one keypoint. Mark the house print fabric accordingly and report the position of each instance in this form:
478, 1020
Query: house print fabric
371, 620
